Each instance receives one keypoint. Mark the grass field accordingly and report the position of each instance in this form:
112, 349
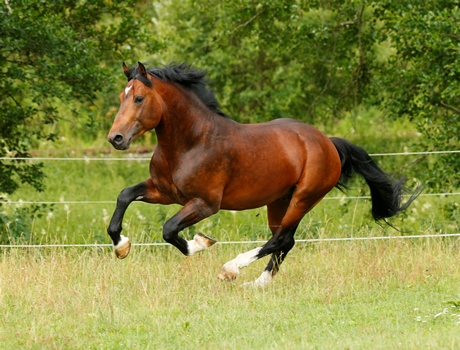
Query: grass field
349, 295
94, 181
376, 294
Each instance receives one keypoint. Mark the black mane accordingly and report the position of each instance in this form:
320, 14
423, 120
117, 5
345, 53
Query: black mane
187, 76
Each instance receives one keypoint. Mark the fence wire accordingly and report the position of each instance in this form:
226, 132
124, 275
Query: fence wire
140, 158
114, 201
134, 158
312, 240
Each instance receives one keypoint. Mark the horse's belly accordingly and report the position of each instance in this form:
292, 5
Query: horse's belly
247, 203
244, 193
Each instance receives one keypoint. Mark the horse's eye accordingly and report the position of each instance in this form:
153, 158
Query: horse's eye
138, 99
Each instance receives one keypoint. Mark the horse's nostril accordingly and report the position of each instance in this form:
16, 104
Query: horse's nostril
118, 139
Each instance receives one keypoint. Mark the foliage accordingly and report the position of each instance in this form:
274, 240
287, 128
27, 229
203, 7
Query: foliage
321, 61
422, 79
272, 59
56, 56
17, 225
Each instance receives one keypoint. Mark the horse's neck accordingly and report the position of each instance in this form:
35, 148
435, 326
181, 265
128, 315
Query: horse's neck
186, 122
184, 127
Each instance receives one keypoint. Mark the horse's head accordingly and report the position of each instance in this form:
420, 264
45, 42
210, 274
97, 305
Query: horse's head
140, 108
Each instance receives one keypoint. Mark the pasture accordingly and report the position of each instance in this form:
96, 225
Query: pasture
368, 73
395, 293
349, 295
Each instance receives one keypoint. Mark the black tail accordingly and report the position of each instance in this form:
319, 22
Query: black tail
385, 193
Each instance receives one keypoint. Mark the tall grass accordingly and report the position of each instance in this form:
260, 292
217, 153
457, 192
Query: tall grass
356, 295
339, 295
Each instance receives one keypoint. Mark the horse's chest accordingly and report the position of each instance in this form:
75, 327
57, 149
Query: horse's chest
164, 183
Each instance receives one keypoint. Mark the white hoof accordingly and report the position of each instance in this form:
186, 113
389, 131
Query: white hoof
232, 268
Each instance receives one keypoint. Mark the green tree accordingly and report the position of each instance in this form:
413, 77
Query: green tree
422, 79
319, 60
56, 58
272, 59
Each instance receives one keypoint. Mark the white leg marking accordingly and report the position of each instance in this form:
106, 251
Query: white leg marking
241, 261
200, 242
122, 242
264, 279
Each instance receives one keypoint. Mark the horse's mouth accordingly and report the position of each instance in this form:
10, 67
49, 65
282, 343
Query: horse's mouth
121, 147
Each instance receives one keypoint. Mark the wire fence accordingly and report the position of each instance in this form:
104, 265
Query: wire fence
140, 158
312, 240
445, 194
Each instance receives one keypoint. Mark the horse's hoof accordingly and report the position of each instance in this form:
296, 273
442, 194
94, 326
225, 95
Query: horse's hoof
122, 248
204, 240
198, 243
227, 274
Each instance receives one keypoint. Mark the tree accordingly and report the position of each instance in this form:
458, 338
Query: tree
319, 60
56, 57
272, 59
422, 79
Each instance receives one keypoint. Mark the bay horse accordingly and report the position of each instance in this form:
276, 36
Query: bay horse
206, 161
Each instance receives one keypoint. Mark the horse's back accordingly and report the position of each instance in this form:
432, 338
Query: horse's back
297, 139
271, 158
290, 127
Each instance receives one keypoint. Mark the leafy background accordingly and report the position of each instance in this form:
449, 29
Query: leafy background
383, 74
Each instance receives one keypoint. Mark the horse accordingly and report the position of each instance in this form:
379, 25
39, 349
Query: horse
205, 161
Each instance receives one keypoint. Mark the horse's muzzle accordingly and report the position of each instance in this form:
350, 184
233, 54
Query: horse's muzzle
118, 141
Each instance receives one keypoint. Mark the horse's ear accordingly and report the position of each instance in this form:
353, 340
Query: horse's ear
141, 69
126, 70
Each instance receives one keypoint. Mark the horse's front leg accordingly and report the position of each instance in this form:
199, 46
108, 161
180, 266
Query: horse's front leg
192, 212
144, 191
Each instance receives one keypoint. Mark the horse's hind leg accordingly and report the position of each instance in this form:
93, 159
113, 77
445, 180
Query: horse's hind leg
281, 242
275, 262
279, 245
276, 211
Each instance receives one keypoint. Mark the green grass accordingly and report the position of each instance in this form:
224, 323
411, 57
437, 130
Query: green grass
102, 181
336, 295
356, 295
